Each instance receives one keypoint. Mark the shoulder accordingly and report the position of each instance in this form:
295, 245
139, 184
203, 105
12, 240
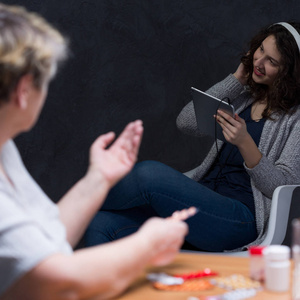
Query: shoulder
11, 156
24, 242
11, 214
296, 111
10, 149
292, 117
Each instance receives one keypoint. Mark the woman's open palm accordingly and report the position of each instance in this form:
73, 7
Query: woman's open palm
113, 160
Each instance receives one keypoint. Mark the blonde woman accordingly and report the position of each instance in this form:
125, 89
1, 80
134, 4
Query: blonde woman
37, 236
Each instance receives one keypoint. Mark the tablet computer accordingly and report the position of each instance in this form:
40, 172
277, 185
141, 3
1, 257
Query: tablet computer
206, 107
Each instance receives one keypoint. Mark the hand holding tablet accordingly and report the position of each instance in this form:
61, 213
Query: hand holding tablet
206, 106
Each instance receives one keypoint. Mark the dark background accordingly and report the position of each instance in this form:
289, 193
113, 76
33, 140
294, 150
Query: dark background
135, 59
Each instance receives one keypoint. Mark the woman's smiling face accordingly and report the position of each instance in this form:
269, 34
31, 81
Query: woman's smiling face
266, 62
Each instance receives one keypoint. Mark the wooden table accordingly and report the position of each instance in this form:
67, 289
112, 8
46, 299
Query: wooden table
142, 289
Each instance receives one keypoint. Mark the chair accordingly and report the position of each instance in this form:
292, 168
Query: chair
284, 208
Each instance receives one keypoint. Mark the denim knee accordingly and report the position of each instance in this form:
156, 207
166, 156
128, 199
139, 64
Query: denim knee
150, 170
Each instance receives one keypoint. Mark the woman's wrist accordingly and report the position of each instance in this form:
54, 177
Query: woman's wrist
96, 183
250, 152
242, 79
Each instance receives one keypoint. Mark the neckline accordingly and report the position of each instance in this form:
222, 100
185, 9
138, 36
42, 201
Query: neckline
247, 115
253, 112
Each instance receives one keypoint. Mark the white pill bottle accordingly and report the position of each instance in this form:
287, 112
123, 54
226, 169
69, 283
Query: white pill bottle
277, 268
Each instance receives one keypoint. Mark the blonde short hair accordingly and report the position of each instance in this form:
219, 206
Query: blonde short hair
28, 45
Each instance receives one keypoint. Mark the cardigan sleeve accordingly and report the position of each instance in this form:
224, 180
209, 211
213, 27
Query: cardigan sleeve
230, 88
280, 163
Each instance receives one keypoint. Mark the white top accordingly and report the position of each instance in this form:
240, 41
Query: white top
30, 228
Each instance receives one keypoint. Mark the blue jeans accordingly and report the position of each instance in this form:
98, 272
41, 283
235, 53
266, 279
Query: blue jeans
154, 189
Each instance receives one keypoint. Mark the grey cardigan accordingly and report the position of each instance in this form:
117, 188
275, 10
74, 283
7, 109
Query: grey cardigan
279, 145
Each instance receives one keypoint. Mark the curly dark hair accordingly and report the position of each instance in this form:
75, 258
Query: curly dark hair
284, 94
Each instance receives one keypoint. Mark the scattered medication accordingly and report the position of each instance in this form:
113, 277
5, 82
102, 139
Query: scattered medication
236, 281
182, 282
239, 294
188, 285
205, 273
164, 279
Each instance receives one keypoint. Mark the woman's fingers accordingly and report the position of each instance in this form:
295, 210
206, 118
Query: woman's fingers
223, 117
184, 214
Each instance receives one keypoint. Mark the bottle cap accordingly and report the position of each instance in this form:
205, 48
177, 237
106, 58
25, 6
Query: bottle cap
256, 250
277, 252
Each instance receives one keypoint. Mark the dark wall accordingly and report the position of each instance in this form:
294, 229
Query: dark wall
135, 59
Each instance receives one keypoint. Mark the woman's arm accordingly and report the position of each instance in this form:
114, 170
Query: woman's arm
235, 132
108, 164
281, 165
104, 271
235, 129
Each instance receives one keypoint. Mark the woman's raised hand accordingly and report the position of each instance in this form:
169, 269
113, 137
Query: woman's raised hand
241, 74
112, 160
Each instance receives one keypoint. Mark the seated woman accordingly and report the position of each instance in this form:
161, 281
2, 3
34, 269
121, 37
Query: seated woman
232, 188
36, 236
